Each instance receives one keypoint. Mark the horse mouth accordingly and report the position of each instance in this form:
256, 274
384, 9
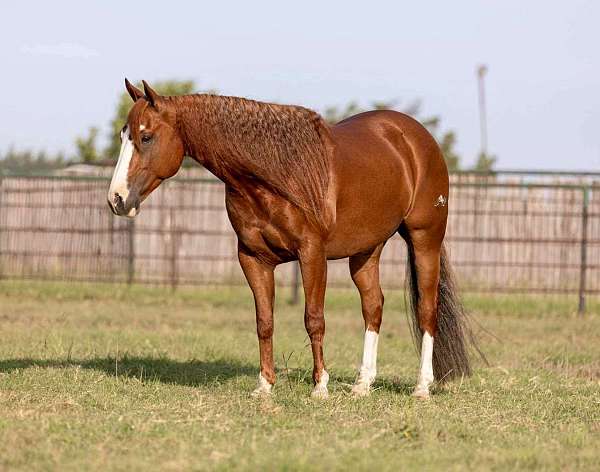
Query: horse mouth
119, 207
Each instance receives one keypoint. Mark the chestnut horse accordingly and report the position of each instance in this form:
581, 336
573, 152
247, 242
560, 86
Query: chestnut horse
299, 189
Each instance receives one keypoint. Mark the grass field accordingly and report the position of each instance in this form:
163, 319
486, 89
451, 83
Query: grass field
111, 378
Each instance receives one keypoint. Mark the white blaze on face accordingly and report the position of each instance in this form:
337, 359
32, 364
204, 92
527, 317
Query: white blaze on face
119, 184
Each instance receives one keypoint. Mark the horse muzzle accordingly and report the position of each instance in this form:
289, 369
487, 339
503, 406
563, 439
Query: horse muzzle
120, 207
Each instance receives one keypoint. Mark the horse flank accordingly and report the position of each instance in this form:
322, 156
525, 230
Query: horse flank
283, 146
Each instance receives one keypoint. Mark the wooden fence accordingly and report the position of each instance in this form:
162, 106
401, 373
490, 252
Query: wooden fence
509, 235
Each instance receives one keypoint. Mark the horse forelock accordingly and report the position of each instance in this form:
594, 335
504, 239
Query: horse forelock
134, 118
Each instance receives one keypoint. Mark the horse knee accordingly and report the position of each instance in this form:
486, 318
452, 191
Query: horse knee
264, 328
314, 321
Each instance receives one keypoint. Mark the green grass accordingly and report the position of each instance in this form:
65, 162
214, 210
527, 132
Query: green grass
112, 378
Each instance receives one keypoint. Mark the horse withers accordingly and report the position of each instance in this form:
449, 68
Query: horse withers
299, 189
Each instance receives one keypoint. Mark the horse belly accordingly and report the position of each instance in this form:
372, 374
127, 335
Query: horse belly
368, 217
355, 236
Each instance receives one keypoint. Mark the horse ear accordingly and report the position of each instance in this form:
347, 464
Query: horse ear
134, 92
151, 95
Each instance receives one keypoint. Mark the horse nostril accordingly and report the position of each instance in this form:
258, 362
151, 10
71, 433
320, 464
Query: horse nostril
118, 203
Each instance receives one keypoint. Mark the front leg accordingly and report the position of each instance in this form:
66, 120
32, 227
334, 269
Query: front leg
260, 277
313, 264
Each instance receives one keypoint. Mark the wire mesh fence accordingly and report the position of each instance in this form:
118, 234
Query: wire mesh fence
504, 234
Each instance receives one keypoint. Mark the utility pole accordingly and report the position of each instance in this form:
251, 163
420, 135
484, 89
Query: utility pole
481, 71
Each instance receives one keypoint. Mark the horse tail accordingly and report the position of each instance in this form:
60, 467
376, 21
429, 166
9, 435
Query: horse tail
454, 335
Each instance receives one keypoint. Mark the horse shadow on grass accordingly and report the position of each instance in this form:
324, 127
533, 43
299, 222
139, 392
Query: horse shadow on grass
191, 373
344, 382
194, 372
396, 385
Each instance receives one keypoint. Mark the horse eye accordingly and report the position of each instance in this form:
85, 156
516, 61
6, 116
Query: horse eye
146, 138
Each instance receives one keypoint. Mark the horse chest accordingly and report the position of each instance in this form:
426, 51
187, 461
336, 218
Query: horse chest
261, 228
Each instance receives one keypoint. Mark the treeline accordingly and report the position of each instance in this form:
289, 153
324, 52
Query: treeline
87, 149
24, 161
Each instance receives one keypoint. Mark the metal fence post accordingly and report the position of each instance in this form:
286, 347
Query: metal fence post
1, 198
130, 251
583, 255
295, 283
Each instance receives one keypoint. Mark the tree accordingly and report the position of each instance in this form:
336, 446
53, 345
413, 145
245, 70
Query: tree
333, 114
29, 161
485, 162
446, 140
86, 147
167, 87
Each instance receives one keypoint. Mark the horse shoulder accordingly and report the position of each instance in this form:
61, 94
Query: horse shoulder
266, 223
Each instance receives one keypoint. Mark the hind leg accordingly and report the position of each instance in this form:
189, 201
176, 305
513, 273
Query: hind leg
364, 269
426, 244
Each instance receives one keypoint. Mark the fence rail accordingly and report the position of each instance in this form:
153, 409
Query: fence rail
504, 234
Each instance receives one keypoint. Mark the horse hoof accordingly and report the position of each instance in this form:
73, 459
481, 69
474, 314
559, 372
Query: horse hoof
421, 393
361, 389
261, 392
263, 388
320, 393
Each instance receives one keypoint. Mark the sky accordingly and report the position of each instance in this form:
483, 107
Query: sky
63, 65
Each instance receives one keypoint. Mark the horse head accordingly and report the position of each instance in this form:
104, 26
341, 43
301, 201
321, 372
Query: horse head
151, 151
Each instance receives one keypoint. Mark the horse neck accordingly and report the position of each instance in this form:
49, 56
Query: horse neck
281, 148
199, 121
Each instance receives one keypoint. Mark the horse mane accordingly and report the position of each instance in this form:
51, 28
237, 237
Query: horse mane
283, 146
